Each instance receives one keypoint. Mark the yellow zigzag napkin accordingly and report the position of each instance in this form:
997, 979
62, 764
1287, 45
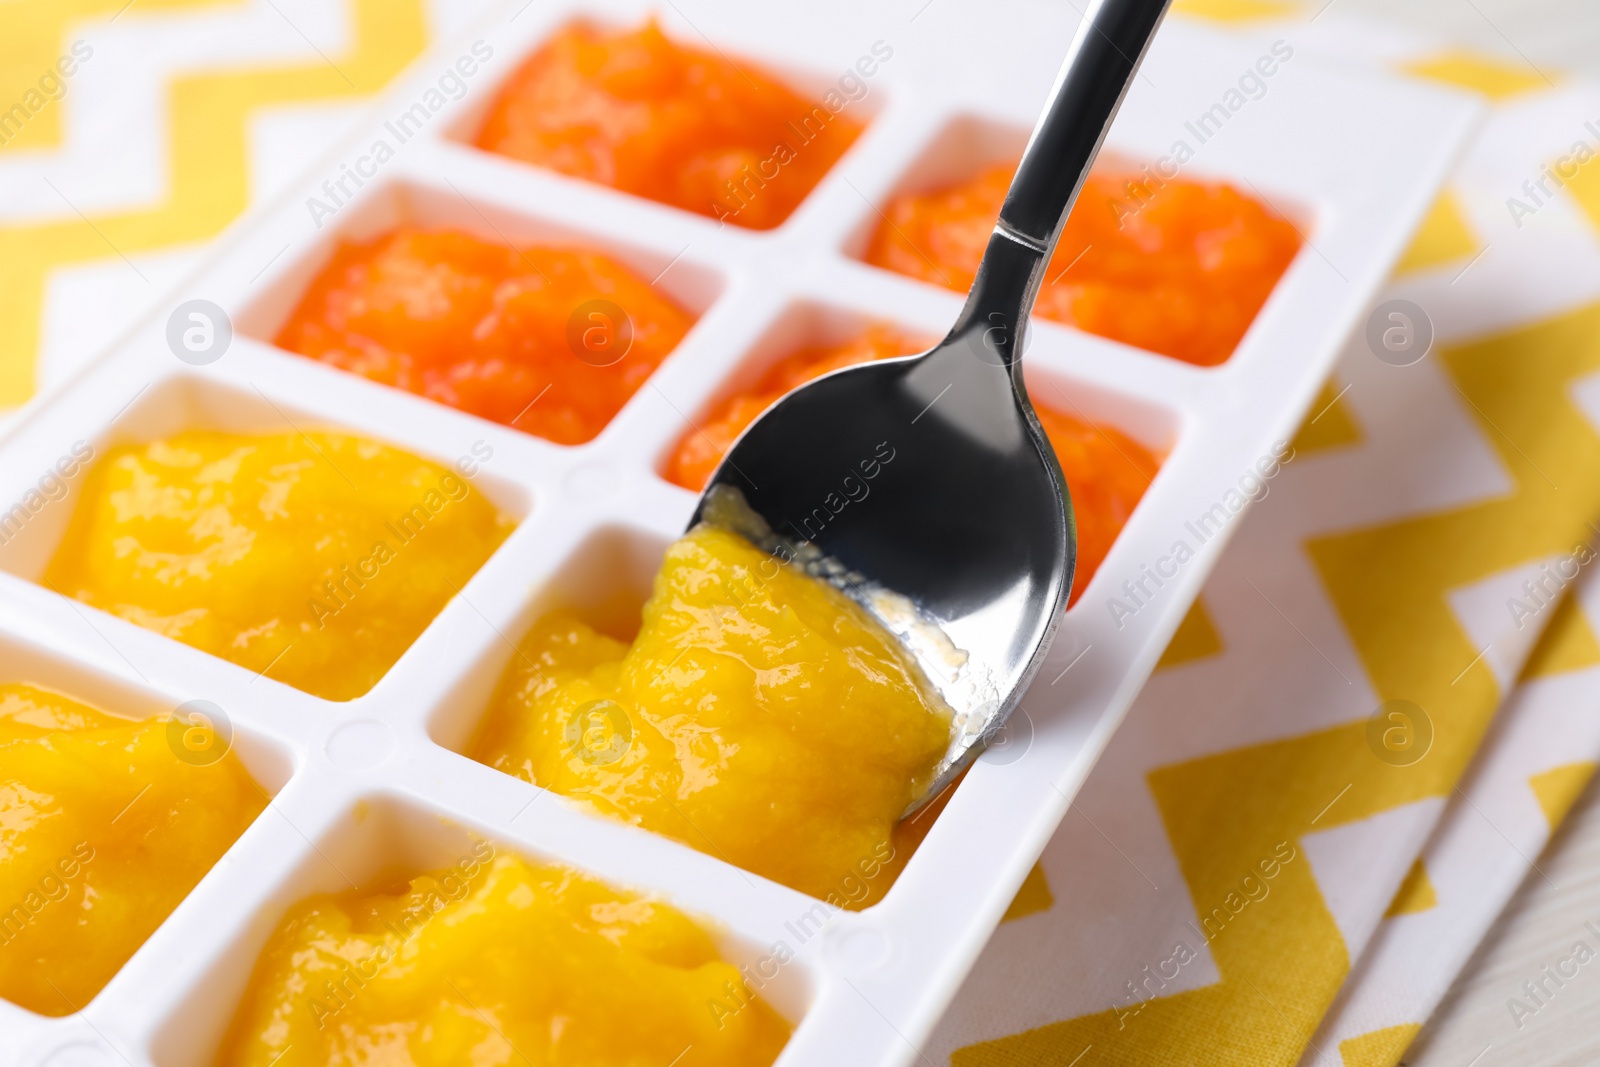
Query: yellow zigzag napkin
1283, 856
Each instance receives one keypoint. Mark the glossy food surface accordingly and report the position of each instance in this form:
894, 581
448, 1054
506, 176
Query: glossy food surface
497, 961
691, 128
552, 341
1106, 470
316, 558
759, 716
1179, 268
103, 830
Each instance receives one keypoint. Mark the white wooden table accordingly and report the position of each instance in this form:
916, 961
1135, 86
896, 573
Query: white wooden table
1538, 928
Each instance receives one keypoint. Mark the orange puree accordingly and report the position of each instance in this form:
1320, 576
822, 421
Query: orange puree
317, 558
1106, 470
759, 715
103, 830
497, 961
552, 341
1183, 275
689, 128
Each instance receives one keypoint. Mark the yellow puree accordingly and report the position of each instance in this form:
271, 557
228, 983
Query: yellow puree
759, 716
317, 557
103, 830
497, 961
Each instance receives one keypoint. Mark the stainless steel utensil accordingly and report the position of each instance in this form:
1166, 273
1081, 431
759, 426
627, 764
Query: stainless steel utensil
924, 486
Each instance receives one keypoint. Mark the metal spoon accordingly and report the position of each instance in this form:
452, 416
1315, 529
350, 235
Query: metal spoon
923, 486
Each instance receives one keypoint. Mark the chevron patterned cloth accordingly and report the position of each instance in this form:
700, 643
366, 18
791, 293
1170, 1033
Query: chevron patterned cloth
1365, 730
1314, 813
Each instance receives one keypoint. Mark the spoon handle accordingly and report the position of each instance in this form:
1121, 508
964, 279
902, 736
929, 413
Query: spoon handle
1099, 67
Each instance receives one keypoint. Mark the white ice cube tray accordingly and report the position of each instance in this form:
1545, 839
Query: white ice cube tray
378, 783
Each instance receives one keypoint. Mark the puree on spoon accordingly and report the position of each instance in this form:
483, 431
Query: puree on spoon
103, 830
314, 557
497, 961
759, 715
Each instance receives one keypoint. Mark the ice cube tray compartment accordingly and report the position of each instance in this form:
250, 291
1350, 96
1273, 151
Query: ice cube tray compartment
433, 204
1357, 159
375, 841
603, 580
